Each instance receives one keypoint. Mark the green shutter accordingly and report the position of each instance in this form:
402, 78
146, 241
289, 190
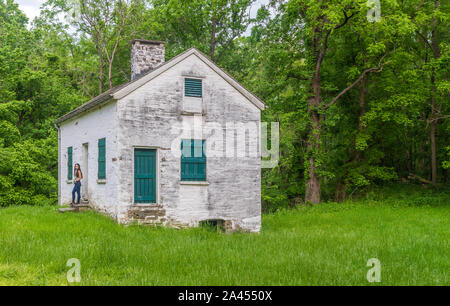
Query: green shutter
69, 163
144, 176
193, 88
102, 159
193, 160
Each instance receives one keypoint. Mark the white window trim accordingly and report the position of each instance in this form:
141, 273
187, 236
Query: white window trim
194, 78
203, 183
195, 183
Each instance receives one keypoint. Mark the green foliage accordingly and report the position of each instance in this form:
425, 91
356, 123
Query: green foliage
378, 132
27, 173
379, 138
446, 163
36, 87
366, 175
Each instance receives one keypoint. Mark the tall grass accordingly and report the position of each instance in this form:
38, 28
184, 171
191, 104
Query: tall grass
328, 244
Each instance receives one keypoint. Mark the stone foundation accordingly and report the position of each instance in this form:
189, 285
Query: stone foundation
156, 215
149, 215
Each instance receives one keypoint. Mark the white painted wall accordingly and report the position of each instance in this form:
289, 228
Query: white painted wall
89, 128
151, 117
147, 118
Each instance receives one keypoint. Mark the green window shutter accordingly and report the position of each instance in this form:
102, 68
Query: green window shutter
193, 88
193, 160
69, 163
145, 176
102, 159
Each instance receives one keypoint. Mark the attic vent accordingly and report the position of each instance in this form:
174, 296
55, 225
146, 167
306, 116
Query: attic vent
193, 88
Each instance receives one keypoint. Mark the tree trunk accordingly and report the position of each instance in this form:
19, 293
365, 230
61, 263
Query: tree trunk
110, 74
213, 39
100, 63
433, 153
319, 45
312, 192
313, 184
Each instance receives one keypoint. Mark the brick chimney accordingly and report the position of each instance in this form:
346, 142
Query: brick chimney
146, 55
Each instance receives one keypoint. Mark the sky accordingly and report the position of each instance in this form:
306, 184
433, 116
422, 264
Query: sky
31, 7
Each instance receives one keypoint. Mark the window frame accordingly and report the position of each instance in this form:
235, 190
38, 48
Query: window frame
193, 80
193, 160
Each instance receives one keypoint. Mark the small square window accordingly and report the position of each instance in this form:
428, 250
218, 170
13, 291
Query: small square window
193, 88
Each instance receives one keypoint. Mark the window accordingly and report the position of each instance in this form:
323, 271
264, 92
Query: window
193, 160
69, 164
193, 88
102, 159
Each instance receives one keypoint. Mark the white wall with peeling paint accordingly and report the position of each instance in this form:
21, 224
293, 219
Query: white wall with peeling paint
151, 117
88, 129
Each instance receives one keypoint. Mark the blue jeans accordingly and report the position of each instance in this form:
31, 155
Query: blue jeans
76, 189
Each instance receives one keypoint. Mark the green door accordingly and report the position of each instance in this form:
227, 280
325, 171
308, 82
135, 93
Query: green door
144, 176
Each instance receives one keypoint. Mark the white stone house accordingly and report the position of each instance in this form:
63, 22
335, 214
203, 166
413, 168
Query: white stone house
178, 145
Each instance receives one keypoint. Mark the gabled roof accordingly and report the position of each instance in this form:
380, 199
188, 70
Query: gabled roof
123, 90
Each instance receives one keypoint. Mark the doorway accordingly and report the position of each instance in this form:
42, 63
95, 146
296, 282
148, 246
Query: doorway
144, 176
85, 168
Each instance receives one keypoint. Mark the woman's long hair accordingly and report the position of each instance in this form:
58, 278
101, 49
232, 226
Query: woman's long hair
75, 169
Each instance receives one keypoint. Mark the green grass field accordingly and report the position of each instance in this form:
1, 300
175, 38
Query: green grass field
329, 244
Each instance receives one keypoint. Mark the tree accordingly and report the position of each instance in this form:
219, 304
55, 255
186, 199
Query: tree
35, 88
212, 25
321, 20
104, 22
341, 69
432, 29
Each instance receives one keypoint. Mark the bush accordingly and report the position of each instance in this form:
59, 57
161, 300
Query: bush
27, 175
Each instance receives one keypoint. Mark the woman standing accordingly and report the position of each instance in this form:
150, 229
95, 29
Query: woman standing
77, 188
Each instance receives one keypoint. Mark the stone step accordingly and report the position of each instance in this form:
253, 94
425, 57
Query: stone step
66, 210
81, 205
76, 208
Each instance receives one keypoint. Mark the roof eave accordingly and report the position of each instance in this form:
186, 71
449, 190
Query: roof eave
232, 81
84, 108
125, 89
132, 86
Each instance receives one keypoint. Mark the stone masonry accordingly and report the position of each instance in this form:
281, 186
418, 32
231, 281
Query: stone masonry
145, 56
